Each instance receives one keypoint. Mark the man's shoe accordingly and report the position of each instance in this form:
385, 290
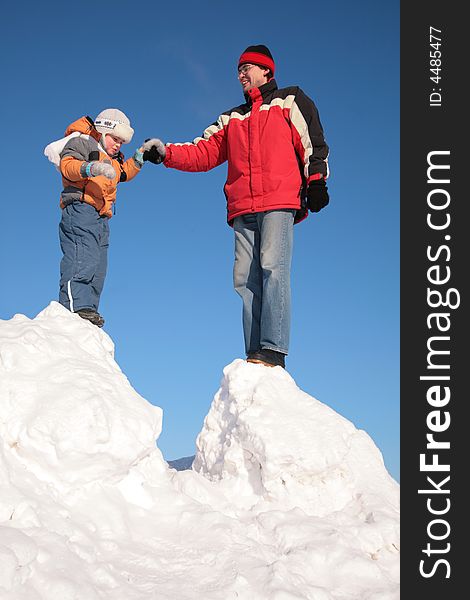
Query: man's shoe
268, 358
91, 315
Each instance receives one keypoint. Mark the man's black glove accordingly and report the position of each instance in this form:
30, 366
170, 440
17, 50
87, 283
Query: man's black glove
317, 195
154, 151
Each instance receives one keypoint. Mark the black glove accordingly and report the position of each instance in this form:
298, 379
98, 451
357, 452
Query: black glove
154, 151
317, 195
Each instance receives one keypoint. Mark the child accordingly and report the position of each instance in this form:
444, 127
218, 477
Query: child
91, 164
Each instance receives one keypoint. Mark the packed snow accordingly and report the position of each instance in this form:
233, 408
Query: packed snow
285, 499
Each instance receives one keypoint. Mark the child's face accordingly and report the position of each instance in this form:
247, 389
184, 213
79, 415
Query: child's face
112, 144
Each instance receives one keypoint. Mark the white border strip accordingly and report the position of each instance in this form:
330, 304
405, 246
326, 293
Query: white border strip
69, 292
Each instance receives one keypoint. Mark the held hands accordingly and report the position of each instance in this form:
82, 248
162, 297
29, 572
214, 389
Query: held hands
96, 168
317, 195
154, 151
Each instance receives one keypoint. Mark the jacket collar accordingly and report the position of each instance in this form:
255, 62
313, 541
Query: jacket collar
261, 92
84, 125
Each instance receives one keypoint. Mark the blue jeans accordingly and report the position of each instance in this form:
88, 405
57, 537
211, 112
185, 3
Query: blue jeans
84, 239
261, 275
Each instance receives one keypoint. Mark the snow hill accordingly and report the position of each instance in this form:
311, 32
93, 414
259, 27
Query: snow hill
285, 500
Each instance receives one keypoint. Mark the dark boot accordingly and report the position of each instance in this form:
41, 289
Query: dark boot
91, 315
269, 358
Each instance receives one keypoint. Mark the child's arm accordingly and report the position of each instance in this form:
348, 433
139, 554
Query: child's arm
130, 168
74, 163
70, 168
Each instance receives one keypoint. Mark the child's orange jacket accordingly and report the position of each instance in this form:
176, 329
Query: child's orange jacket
99, 191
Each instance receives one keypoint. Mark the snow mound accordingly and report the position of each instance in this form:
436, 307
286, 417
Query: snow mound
286, 499
276, 443
68, 413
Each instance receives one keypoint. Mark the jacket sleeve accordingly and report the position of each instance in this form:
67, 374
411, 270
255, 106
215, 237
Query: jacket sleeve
70, 168
129, 169
309, 141
204, 153
74, 153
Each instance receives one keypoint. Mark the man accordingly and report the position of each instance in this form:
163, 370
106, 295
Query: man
277, 167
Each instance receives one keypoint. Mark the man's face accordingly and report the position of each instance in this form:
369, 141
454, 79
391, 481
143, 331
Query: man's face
251, 76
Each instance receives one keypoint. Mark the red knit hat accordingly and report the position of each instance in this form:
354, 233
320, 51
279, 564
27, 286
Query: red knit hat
258, 55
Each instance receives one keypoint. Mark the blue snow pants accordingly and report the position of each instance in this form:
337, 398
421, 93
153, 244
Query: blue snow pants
84, 240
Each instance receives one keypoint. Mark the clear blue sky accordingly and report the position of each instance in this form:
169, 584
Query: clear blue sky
168, 299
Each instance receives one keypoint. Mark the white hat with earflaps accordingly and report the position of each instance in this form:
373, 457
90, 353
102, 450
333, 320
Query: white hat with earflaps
113, 121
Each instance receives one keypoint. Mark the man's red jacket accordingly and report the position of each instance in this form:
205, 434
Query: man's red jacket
274, 146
